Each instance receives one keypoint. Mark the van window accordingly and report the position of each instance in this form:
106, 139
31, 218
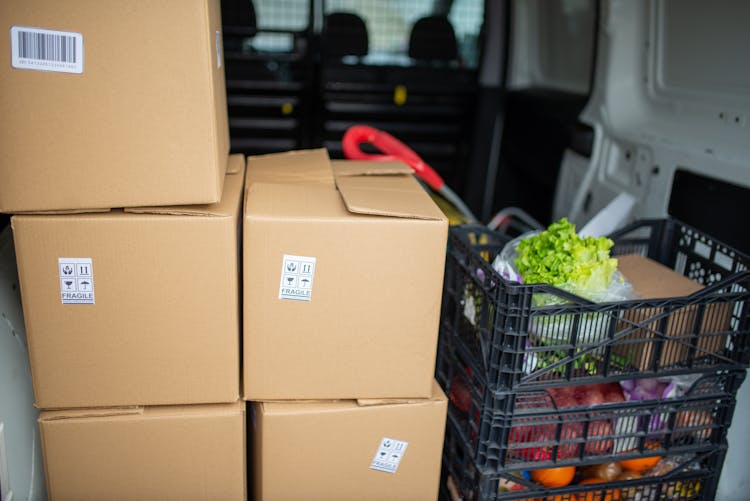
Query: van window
389, 24
276, 21
291, 15
553, 44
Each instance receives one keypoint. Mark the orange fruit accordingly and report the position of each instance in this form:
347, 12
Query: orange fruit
640, 465
554, 477
609, 495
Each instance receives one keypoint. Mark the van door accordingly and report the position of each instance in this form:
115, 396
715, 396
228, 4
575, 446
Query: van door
670, 109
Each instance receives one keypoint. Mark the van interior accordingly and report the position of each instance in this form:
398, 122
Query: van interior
534, 108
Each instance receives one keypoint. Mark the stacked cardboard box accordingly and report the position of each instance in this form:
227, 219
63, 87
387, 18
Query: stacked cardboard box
342, 276
111, 104
114, 158
127, 217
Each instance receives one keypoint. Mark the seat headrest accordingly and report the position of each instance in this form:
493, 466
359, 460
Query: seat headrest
238, 13
433, 38
344, 34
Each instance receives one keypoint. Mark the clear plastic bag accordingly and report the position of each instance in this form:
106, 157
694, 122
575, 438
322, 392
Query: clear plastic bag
620, 289
698, 421
553, 329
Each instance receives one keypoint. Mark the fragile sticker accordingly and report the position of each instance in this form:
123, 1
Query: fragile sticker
76, 280
297, 273
389, 455
46, 50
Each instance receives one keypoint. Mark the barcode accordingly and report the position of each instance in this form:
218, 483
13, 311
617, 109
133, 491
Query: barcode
46, 47
41, 49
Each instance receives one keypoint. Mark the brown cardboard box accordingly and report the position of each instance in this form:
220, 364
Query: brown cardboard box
158, 316
360, 321
194, 452
652, 280
144, 123
327, 451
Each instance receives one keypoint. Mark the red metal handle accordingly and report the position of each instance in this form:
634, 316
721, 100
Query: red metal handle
392, 149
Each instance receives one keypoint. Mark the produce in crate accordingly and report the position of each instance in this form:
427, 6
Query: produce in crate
554, 477
640, 465
560, 257
460, 394
604, 471
591, 475
690, 424
510, 353
594, 481
609, 494
573, 424
580, 265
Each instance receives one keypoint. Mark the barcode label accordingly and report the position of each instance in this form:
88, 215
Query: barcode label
46, 50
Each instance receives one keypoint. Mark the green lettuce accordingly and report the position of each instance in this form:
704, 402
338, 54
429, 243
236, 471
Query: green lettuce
559, 256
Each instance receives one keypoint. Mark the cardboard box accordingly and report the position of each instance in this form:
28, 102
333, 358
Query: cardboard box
343, 271
135, 306
328, 450
144, 121
652, 280
192, 452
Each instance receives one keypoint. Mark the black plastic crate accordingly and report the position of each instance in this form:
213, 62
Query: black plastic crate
695, 477
533, 428
515, 344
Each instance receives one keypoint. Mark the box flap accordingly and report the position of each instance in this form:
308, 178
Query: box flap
56, 415
293, 407
230, 197
372, 188
369, 402
369, 168
64, 212
293, 201
219, 409
196, 410
293, 167
321, 406
383, 189
437, 396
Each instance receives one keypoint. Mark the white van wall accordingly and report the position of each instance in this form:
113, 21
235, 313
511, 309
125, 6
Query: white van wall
672, 89
21, 469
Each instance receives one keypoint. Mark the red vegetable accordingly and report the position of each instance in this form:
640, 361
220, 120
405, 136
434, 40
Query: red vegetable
460, 395
573, 425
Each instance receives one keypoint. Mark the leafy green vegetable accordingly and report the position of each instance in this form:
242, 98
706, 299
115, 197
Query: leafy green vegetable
559, 256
